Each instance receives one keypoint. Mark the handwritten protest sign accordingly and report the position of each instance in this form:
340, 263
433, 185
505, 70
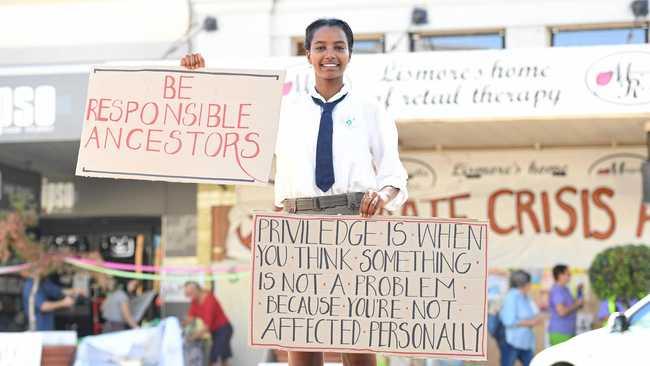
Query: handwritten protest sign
406, 286
172, 124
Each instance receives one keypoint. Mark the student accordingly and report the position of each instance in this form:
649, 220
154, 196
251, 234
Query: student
336, 149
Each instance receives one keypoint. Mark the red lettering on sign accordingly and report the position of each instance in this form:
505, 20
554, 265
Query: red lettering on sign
584, 203
102, 106
92, 107
218, 139
409, 208
242, 114
570, 211
181, 87
525, 201
128, 139
151, 141
644, 216
249, 138
224, 121
214, 115
174, 136
152, 106
168, 88
232, 139
93, 136
596, 197
491, 212
546, 212
131, 106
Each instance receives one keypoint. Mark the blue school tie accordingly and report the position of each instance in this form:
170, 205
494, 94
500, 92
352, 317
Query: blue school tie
324, 162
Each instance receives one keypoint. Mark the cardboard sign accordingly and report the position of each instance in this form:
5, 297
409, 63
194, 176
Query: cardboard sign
406, 286
21, 349
177, 125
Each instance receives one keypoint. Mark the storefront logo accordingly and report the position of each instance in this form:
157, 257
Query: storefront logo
420, 174
27, 109
120, 246
617, 164
621, 78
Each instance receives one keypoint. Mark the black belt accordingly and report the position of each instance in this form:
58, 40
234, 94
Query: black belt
293, 205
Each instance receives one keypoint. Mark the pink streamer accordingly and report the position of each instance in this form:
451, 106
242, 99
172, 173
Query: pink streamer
164, 269
14, 268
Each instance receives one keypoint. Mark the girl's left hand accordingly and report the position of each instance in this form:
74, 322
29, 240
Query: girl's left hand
374, 202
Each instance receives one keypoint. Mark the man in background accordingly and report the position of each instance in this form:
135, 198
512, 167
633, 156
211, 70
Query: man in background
41, 297
563, 307
206, 307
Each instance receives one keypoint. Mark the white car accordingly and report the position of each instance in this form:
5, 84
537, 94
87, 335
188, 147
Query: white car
624, 341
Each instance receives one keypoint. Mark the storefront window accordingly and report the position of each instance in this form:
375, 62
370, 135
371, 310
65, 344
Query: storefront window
369, 45
592, 37
362, 44
457, 42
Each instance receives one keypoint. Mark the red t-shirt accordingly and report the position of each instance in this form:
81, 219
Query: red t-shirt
209, 311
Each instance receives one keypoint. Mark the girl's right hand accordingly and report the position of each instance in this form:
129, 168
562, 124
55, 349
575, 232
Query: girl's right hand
193, 61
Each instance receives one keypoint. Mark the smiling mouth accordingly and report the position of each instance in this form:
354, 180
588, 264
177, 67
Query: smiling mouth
329, 66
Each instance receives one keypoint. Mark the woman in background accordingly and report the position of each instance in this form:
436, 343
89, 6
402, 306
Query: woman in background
116, 310
519, 315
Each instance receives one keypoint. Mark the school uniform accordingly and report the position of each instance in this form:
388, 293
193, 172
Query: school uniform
364, 154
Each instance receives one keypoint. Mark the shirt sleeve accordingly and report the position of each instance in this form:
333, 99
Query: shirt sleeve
192, 312
385, 155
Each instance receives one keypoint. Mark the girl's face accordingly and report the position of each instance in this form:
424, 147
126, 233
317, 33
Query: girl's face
329, 53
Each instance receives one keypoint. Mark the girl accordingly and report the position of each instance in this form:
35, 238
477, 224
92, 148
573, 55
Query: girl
336, 151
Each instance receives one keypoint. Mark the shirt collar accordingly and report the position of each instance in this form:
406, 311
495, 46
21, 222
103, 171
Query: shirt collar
344, 90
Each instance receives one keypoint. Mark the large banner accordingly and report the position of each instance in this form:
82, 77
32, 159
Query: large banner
405, 286
172, 124
544, 206
498, 84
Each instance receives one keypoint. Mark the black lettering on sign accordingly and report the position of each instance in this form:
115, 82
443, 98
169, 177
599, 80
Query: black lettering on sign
413, 286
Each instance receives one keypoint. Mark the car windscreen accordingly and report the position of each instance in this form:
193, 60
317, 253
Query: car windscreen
641, 318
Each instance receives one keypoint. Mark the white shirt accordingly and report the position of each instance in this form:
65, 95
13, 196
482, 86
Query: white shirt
364, 148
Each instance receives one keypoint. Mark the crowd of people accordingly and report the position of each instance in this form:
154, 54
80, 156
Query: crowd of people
206, 323
512, 325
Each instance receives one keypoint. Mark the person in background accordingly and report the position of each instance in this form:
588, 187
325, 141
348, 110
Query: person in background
519, 315
42, 297
116, 310
610, 306
562, 306
206, 307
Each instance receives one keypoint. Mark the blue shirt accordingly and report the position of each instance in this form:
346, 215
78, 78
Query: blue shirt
47, 291
516, 307
561, 324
